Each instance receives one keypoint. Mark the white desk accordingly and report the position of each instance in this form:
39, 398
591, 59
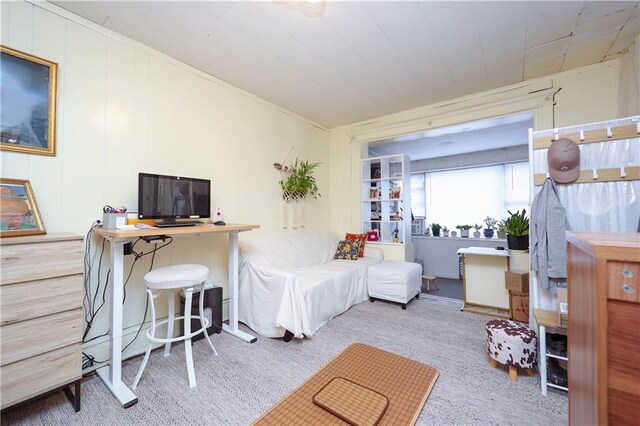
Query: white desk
483, 279
111, 374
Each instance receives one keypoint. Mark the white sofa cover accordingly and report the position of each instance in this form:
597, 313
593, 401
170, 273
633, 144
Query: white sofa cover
293, 283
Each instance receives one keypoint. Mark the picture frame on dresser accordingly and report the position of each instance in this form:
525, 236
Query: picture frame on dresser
19, 213
28, 92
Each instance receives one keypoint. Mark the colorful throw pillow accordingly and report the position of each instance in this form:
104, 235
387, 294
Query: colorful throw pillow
347, 250
361, 238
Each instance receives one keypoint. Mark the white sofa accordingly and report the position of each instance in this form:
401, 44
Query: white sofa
293, 283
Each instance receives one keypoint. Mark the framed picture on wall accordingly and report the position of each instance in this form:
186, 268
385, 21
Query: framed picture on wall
19, 214
28, 87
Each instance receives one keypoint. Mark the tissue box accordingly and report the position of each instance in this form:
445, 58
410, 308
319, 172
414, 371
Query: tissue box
113, 220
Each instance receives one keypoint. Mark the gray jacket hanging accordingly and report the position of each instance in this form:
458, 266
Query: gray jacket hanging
548, 239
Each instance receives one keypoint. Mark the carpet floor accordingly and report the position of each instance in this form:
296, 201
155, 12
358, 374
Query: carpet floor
245, 380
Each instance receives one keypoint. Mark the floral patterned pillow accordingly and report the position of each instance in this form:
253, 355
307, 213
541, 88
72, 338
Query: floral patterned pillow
361, 238
348, 250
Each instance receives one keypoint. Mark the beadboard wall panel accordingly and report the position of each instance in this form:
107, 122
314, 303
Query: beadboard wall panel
124, 108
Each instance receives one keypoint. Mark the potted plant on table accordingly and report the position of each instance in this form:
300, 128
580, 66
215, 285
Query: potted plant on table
435, 228
464, 230
517, 227
445, 231
476, 233
490, 223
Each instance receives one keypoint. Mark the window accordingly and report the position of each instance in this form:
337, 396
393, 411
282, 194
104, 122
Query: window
466, 196
417, 195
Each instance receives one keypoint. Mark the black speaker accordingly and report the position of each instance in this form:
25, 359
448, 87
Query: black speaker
212, 311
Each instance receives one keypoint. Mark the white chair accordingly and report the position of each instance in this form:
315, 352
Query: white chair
171, 278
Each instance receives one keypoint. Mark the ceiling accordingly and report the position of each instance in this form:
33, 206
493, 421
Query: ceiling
481, 135
366, 59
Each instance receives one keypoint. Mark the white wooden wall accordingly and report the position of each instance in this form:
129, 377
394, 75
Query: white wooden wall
124, 108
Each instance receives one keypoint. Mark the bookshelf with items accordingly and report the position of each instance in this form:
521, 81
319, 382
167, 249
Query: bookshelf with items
386, 207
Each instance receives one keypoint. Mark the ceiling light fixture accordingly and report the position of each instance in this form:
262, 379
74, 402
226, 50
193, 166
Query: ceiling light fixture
309, 8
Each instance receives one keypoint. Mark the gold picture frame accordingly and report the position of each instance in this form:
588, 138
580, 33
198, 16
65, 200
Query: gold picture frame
19, 213
31, 83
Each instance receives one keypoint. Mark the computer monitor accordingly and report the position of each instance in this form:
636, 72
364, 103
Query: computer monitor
173, 197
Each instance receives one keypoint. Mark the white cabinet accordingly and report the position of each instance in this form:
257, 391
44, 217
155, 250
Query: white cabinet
386, 205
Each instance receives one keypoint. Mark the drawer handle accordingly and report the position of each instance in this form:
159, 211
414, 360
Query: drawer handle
627, 273
627, 288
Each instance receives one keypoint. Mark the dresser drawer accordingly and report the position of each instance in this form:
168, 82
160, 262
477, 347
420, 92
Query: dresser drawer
36, 261
623, 281
623, 361
25, 379
24, 301
29, 338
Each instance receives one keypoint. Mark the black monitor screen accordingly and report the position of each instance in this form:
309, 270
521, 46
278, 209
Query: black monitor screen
173, 197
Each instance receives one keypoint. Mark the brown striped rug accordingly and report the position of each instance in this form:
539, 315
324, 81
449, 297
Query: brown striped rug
404, 382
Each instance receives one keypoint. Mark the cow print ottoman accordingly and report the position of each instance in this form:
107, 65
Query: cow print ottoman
512, 344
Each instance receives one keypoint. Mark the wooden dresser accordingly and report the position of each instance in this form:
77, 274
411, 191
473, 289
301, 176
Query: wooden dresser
41, 291
604, 328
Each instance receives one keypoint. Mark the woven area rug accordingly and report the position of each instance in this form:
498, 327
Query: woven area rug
404, 382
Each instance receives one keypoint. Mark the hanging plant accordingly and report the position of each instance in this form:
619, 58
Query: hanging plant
297, 181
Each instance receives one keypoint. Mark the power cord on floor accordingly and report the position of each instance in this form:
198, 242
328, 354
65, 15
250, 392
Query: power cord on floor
90, 299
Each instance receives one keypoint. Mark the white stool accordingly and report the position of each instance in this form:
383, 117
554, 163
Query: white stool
177, 277
394, 281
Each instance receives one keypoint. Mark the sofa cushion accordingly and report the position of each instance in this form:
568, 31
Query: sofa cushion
348, 250
361, 238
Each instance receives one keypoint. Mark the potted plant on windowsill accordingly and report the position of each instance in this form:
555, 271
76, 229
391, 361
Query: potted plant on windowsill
476, 233
435, 228
491, 223
517, 227
464, 230
445, 231
502, 233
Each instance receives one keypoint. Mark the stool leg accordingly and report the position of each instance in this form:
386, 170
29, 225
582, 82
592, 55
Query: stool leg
151, 333
493, 363
171, 317
203, 320
513, 373
435, 283
428, 288
187, 332
530, 372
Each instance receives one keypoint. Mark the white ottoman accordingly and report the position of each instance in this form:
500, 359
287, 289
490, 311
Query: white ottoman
395, 281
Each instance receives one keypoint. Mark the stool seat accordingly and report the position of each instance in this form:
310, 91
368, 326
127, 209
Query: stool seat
512, 344
176, 276
428, 279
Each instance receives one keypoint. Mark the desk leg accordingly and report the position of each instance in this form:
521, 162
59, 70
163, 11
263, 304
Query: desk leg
111, 374
232, 327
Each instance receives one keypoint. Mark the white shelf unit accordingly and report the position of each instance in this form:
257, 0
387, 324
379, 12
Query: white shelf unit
385, 197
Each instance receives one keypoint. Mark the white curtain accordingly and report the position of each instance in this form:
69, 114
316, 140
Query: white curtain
600, 206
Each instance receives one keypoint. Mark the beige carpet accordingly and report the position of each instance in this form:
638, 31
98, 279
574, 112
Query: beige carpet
404, 383
246, 380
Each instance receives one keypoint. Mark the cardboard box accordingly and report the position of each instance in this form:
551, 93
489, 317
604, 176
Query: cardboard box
517, 281
519, 306
563, 307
